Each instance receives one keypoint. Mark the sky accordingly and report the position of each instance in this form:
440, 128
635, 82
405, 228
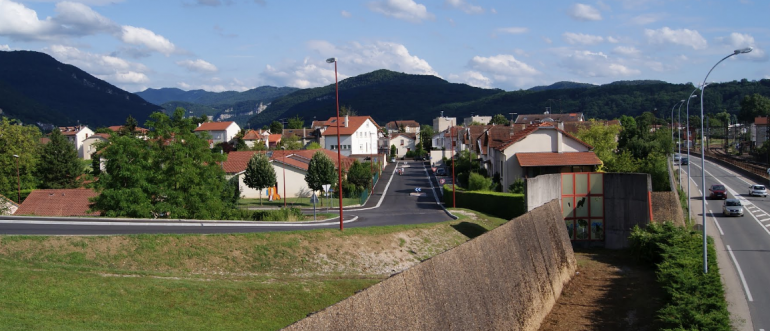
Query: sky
224, 45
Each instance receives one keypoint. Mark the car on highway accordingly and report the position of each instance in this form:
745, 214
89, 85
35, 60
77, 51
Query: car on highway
718, 191
732, 207
440, 172
758, 190
684, 161
677, 157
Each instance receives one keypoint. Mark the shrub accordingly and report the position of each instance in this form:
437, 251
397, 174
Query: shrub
274, 215
477, 182
517, 186
503, 205
693, 300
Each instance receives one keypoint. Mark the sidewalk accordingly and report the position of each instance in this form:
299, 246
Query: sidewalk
734, 295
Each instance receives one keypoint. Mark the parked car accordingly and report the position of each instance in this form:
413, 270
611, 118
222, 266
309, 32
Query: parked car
392, 159
718, 192
684, 161
677, 156
758, 190
732, 207
440, 172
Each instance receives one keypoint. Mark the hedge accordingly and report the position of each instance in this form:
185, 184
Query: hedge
503, 205
693, 300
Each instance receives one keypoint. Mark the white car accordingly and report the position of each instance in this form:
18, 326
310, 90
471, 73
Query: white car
758, 190
732, 207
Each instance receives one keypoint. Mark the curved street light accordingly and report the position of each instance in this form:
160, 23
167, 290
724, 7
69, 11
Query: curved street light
339, 141
703, 156
679, 136
689, 178
672, 122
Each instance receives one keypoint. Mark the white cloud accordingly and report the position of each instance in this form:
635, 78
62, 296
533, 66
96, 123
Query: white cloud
141, 36
682, 37
465, 6
645, 19
503, 69
612, 39
579, 38
513, 30
472, 78
582, 12
112, 69
20, 22
547, 40
79, 19
198, 65
346, 14
353, 59
406, 10
738, 40
184, 85
5, 47
626, 51
129, 77
590, 64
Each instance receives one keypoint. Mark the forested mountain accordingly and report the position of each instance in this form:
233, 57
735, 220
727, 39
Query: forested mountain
34, 87
387, 96
561, 86
383, 94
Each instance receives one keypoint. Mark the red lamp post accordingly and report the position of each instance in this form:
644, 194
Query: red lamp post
339, 142
454, 159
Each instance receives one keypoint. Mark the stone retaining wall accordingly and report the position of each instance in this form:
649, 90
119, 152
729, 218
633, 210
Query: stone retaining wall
506, 279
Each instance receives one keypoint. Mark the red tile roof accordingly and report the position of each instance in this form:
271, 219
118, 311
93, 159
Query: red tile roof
237, 161
116, 128
396, 125
412, 136
63, 202
354, 123
253, 135
761, 120
70, 130
274, 138
557, 159
214, 126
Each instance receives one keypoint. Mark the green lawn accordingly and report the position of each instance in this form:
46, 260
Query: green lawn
254, 281
297, 202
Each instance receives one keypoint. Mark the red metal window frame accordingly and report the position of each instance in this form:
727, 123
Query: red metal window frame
588, 196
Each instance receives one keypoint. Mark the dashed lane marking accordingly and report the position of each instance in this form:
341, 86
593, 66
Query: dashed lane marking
740, 273
765, 220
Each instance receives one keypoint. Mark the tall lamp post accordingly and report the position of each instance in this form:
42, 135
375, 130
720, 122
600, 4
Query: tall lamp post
679, 134
703, 156
689, 178
672, 121
454, 160
18, 178
339, 141
284, 175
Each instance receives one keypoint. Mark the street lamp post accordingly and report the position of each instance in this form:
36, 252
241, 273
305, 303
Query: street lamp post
284, 175
339, 141
703, 156
689, 178
454, 160
18, 178
672, 122
679, 134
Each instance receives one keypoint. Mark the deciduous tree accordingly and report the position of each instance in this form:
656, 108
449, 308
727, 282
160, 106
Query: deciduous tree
295, 122
320, 171
259, 174
499, 119
24, 141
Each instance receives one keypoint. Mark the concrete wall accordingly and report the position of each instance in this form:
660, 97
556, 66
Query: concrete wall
506, 279
626, 201
666, 207
542, 189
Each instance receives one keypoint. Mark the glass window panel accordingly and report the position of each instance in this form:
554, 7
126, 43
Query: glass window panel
567, 206
581, 206
570, 228
597, 229
581, 230
566, 184
597, 206
581, 183
597, 184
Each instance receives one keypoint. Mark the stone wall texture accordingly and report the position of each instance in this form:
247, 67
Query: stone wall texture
666, 207
506, 279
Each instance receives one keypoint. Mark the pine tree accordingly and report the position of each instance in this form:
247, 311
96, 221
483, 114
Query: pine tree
59, 165
259, 174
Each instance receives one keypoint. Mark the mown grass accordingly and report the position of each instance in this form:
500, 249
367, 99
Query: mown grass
253, 281
297, 202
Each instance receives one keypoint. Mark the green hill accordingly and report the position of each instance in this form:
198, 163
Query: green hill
34, 87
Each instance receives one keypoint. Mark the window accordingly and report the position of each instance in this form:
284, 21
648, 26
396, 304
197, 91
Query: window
402, 142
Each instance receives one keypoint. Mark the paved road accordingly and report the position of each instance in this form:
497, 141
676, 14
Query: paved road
746, 240
392, 207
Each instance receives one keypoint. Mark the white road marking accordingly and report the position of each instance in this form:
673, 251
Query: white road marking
715, 222
765, 220
762, 214
201, 224
740, 272
739, 198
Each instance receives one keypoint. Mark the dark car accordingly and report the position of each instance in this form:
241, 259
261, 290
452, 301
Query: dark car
440, 172
684, 161
718, 192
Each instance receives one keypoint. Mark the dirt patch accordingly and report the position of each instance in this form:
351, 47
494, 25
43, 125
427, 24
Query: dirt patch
609, 292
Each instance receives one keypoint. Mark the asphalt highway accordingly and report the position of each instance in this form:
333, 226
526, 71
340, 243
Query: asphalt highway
393, 203
746, 239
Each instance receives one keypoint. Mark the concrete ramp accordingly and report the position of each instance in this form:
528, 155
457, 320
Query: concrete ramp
506, 279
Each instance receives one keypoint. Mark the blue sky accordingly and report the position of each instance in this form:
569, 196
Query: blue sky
220, 45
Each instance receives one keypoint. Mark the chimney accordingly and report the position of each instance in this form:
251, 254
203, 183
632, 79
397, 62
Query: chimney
346, 121
442, 113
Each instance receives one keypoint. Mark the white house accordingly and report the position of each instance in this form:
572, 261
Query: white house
409, 126
442, 123
404, 142
220, 131
358, 135
76, 135
541, 149
294, 164
254, 137
89, 144
483, 120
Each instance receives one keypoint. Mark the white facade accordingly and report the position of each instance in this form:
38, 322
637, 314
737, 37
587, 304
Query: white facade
483, 120
443, 123
89, 145
295, 183
220, 134
362, 141
403, 144
76, 136
544, 139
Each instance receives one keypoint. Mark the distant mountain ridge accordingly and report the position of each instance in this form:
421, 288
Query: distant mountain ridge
561, 86
35, 87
